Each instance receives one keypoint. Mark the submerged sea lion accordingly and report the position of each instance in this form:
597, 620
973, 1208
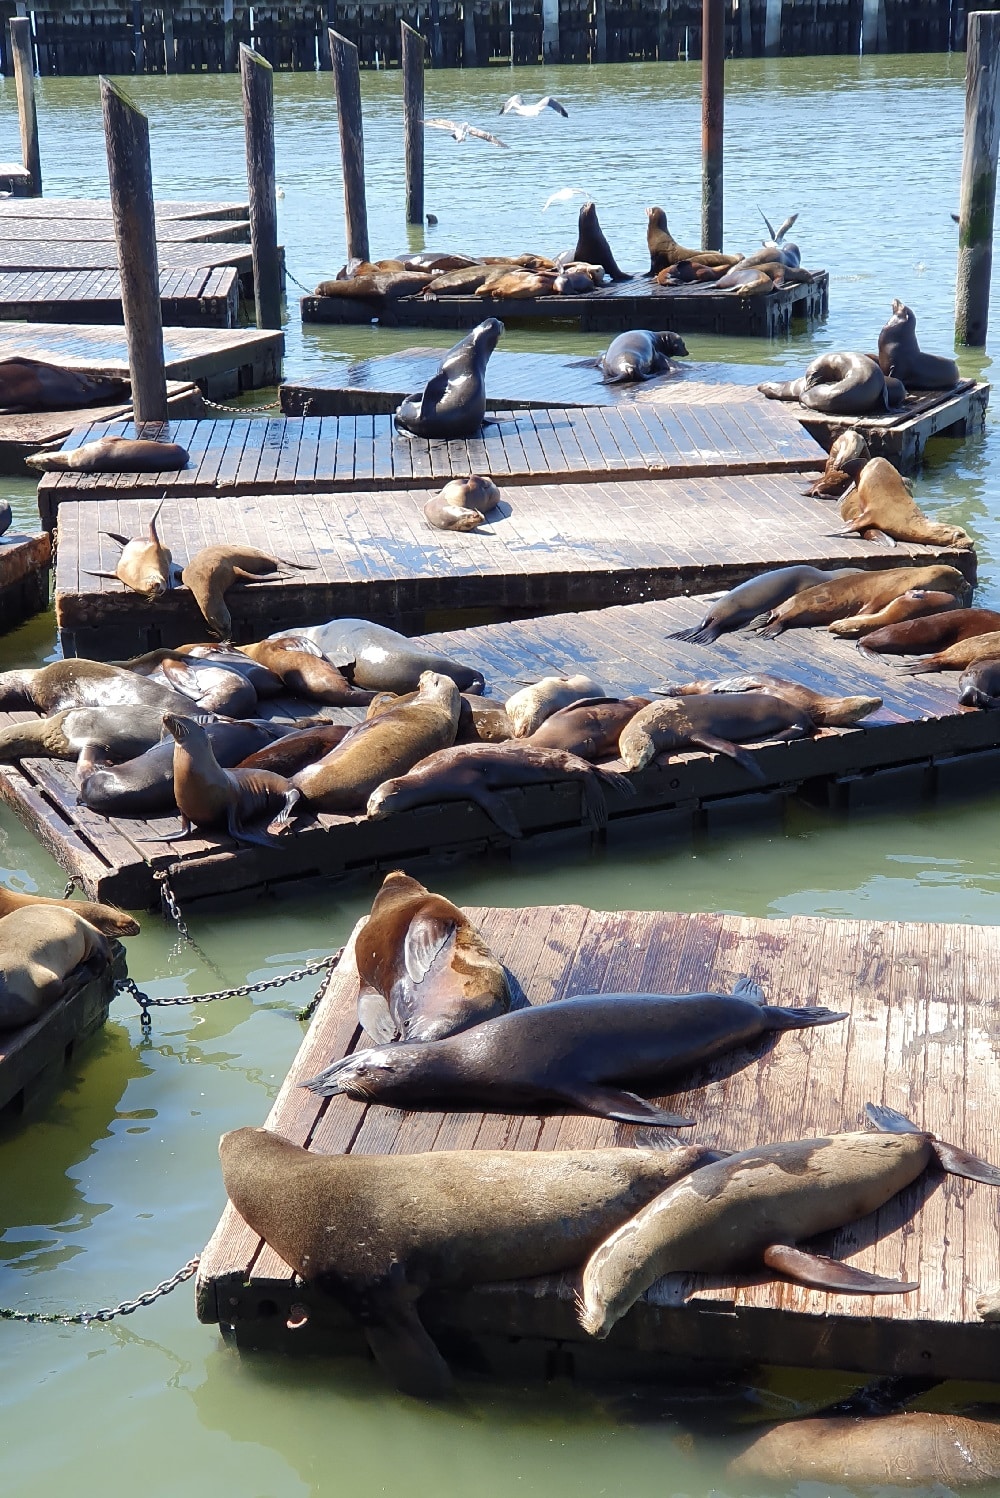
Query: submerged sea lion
425, 970
377, 1231
81, 683
381, 659
881, 499
713, 722
916, 603
144, 565
591, 245
144, 786
463, 504
639, 354
839, 384
206, 795
930, 632
844, 462
215, 568
590, 728
453, 402
756, 1205
900, 355
863, 592
40, 946
825, 712
979, 686
956, 657
300, 665
664, 250
756, 596
107, 919
528, 708
32, 385
114, 455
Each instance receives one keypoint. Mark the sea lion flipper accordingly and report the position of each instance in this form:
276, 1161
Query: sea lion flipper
748, 988
114, 536
723, 746
821, 1273
403, 1348
779, 1018
627, 1107
373, 1013
113, 575
700, 634
959, 1162
432, 391
496, 809
426, 938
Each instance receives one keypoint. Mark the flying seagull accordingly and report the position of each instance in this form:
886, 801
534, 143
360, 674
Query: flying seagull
465, 130
563, 195
516, 105
776, 238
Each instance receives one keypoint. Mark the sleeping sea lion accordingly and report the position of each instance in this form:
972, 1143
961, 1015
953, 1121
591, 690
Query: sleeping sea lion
899, 354
206, 795
639, 354
425, 970
930, 632
713, 722
40, 946
377, 285
81, 683
590, 729
516, 284
144, 786
591, 245
863, 592
214, 688
144, 565
844, 462
881, 500
293, 751
979, 685
825, 712
463, 504
107, 919
114, 455
664, 250
958, 656
215, 568
839, 384
462, 281
32, 385
528, 708
756, 596
755, 1207
301, 667
381, 659
480, 721
119, 731
916, 603
453, 402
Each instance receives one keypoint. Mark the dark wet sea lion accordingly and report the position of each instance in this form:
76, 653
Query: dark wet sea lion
480, 721
215, 568
425, 970
40, 946
214, 688
453, 402
114, 455
528, 708
916, 603
825, 711
590, 729
756, 596
639, 354
979, 685
32, 385
475, 772
382, 660
899, 354
206, 795
716, 722
579, 1054
664, 251
881, 500
6, 516
81, 683
931, 632
958, 656
302, 668
293, 751
144, 786
463, 504
107, 918
844, 462
591, 245
863, 592
837, 383
378, 1230
757, 1205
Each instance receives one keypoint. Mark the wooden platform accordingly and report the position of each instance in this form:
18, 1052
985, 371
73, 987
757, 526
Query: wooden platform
23, 434
921, 741
41, 255
549, 547
33, 1058
16, 180
638, 303
76, 229
100, 208
902, 435
24, 576
202, 297
331, 454
221, 361
922, 1006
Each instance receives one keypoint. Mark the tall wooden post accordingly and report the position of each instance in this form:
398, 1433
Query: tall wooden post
126, 135
979, 178
435, 20
228, 34
470, 52
746, 30
138, 47
772, 29
550, 30
713, 93
169, 55
412, 51
24, 78
258, 123
347, 86
600, 48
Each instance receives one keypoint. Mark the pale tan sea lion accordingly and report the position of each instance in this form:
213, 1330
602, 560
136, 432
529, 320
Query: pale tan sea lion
880, 500
215, 568
860, 593
518, 285
463, 504
528, 708
107, 920
114, 455
917, 603
590, 728
209, 796
480, 720
825, 711
40, 946
957, 657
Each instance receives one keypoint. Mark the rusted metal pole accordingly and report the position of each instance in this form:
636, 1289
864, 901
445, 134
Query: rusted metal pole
126, 135
258, 125
24, 78
412, 53
713, 92
347, 86
979, 178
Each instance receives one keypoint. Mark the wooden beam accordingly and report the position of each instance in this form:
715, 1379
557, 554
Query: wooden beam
258, 122
979, 179
713, 94
24, 78
347, 86
412, 53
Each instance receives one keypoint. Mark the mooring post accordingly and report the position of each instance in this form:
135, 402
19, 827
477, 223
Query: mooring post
139, 51
412, 55
258, 123
169, 55
470, 52
24, 79
347, 86
713, 91
228, 33
979, 178
746, 30
435, 20
126, 135
772, 29
600, 48
550, 30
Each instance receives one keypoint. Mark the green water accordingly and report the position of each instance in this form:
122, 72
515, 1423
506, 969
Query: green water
117, 1183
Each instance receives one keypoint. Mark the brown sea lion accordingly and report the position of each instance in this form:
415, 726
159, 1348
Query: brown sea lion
377, 1231
460, 282
930, 632
377, 285
107, 919
755, 597
899, 354
480, 721
463, 504
33, 385
844, 462
214, 688
439, 261
144, 565
119, 732
383, 660
40, 946
917, 603
825, 712
752, 280
881, 500
716, 722
81, 683
590, 729
206, 795
425, 970
301, 667
570, 282
144, 786
528, 708
518, 285
664, 250
863, 592
755, 1207
979, 686
215, 568
293, 751
591, 245
958, 656
839, 383
114, 455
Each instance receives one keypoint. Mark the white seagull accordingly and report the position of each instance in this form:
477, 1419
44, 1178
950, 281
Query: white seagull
465, 130
563, 195
516, 105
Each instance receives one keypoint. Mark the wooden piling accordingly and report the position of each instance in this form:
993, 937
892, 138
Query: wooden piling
258, 123
713, 90
228, 35
772, 29
169, 51
138, 49
979, 178
434, 16
412, 56
126, 135
24, 78
347, 86
470, 53
550, 31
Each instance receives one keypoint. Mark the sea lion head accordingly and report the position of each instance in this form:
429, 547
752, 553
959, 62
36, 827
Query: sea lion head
901, 314
486, 335
182, 730
372, 1075
656, 729
433, 687
384, 800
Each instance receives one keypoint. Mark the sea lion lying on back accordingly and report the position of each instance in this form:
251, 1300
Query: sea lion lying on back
863, 592
825, 712
591, 728
979, 685
881, 500
107, 920
755, 597
114, 455
382, 660
528, 708
40, 946
215, 568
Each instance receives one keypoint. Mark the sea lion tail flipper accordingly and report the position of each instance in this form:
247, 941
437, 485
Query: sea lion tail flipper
699, 634
615, 1102
114, 536
889, 1121
241, 834
593, 799
426, 938
496, 809
723, 746
373, 1012
821, 1273
803, 1018
113, 575
955, 1161
617, 780
282, 823
403, 1348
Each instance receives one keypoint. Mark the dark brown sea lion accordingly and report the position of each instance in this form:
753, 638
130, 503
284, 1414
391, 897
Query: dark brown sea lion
215, 568
917, 603
931, 632
475, 772
958, 656
825, 712
480, 721
664, 250
425, 970
114, 455
592, 246
900, 355
840, 384
757, 1205
979, 686
639, 354
463, 504
590, 729
863, 592
518, 285
31, 385
844, 462
383, 660
293, 751
377, 285
106, 918
301, 667
206, 795
81, 683
716, 722
144, 786
377, 1231
528, 708
881, 500
754, 597
578, 1054
453, 402
40, 946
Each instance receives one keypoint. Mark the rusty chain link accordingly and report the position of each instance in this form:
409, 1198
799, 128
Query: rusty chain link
239, 410
108, 1313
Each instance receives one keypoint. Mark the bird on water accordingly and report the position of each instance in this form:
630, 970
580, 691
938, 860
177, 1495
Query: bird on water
516, 105
464, 131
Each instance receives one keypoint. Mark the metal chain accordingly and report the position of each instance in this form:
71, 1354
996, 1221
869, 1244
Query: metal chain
108, 1313
169, 900
240, 410
323, 965
72, 883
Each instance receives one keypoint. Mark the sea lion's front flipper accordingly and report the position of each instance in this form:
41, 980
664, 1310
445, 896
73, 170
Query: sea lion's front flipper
113, 575
723, 746
426, 939
746, 987
282, 823
403, 1348
614, 1102
821, 1273
241, 834
496, 809
432, 392
373, 1012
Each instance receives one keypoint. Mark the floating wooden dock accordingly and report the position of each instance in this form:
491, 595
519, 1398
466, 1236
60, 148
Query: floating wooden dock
922, 1008
33, 1058
167, 209
39, 255
25, 562
920, 743
901, 436
547, 548
24, 433
330, 454
77, 229
638, 303
16, 180
201, 297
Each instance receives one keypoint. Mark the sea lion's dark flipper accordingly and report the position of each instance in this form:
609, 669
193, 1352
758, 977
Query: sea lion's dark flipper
373, 1012
170, 837
955, 1161
800, 1019
114, 536
746, 987
615, 1102
820, 1273
426, 938
496, 809
403, 1348
432, 391
698, 634
723, 746
113, 575
241, 834
282, 823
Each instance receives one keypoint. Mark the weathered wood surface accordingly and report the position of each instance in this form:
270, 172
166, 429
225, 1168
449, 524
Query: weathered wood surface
977, 191
101, 254
167, 209
412, 48
922, 1007
258, 122
15, 180
22, 434
73, 230
901, 436
546, 548
202, 297
921, 741
347, 84
24, 80
24, 576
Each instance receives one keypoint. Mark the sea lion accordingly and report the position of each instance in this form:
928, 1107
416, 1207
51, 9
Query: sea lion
900, 355
825, 712
425, 970
453, 402
528, 708
747, 279
114, 455
377, 285
910, 1449
590, 729
81, 683
438, 261
857, 593
881, 500
215, 568
756, 1205
518, 285
930, 632
480, 721
107, 919
463, 504
916, 603
6, 516
639, 354
578, 1054
214, 688
664, 250
591, 245
144, 565
120, 732
475, 772
382, 660
839, 384
40, 946
844, 462
378, 1230
713, 722
958, 656
32, 385
756, 596
293, 751
979, 685
144, 786
206, 795
300, 666
462, 281
574, 282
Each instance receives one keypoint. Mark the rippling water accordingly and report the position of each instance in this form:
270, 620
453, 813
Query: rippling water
118, 1181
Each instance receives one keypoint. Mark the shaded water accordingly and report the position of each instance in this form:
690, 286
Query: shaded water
118, 1183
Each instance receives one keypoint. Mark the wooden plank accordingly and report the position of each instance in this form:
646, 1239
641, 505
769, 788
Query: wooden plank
100, 208
50, 230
